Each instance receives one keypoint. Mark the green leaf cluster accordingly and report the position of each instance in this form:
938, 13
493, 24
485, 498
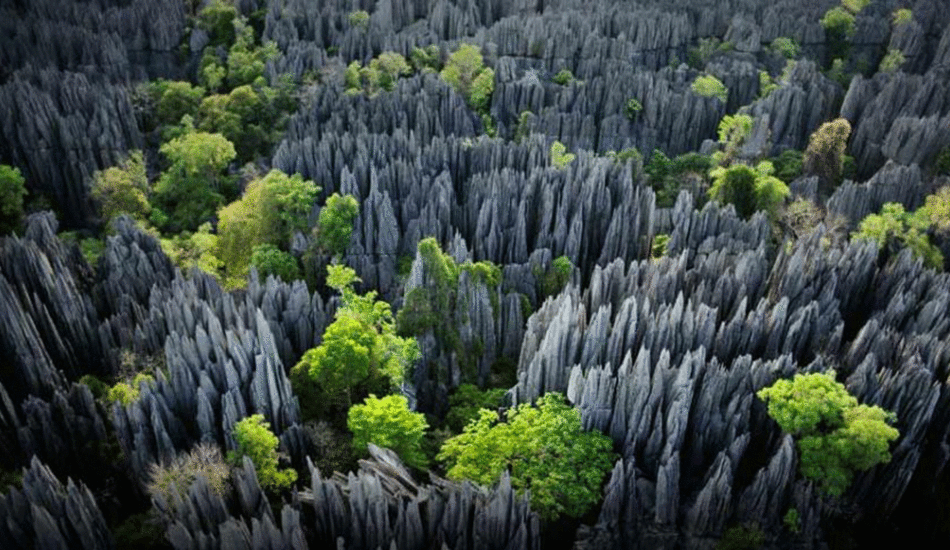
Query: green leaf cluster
190, 190
465, 403
465, 71
194, 250
360, 353
380, 74
544, 449
388, 422
667, 176
632, 108
12, 192
255, 441
560, 158
892, 61
894, 228
125, 392
358, 19
335, 224
426, 60
748, 189
902, 16
705, 49
786, 46
563, 77
270, 260
836, 436
710, 86
269, 212
824, 156
123, 189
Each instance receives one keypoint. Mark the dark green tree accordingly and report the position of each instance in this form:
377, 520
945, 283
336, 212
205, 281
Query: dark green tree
12, 191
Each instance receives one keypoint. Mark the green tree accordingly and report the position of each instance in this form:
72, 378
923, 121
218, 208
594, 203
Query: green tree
902, 17
246, 61
545, 450
936, 210
560, 158
360, 353
426, 60
894, 228
748, 189
217, 18
786, 46
177, 99
270, 260
465, 403
835, 435
391, 66
892, 61
388, 422
465, 71
824, 156
190, 190
632, 108
196, 250
839, 28
123, 189
336, 222
563, 77
359, 19
255, 441
269, 212
710, 86
12, 191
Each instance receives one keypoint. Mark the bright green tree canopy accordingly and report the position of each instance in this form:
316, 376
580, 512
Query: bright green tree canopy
255, 440
545, 450
123, 189
388, 422
836, 436
336, 222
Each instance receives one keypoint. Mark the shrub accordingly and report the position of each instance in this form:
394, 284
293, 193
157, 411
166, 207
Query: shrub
126, 393
659, 248
270, 211
632, 108
123, 189
854, 6
177, 99
667, 176
749, 190
893, 228
741, 537
360, 353
426, 60
359, 19
788, 165
196, 250
792, 521
839, 28
706, 47
466, 73
390, 66
936, 210
336, 222
190, 188
388, 422
563, 77
522, 129
786, 46
835, 435
902, 16
255, 441
559, 157
270, 260
556, 277
892, 61
12, 191
710, 86
175, 479
766, 84
467, 400
544, 449
824, 156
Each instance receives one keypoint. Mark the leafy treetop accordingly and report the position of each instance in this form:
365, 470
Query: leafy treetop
388, 422
255, 440
544, 449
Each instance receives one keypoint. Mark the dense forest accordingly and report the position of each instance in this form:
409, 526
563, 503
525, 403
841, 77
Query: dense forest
474, 274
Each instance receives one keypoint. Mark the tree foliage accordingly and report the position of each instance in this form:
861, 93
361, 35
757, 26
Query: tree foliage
894, 228
892, 61
255, 441
748, 189
271, 209
194, 250
270, 260
786, 46
560, 158
710, 86
836, 436
336, 222
12, 191
360, 353
465, 71
388, 422
465, 403
190, 190
544, 449
123, 189
824, 156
